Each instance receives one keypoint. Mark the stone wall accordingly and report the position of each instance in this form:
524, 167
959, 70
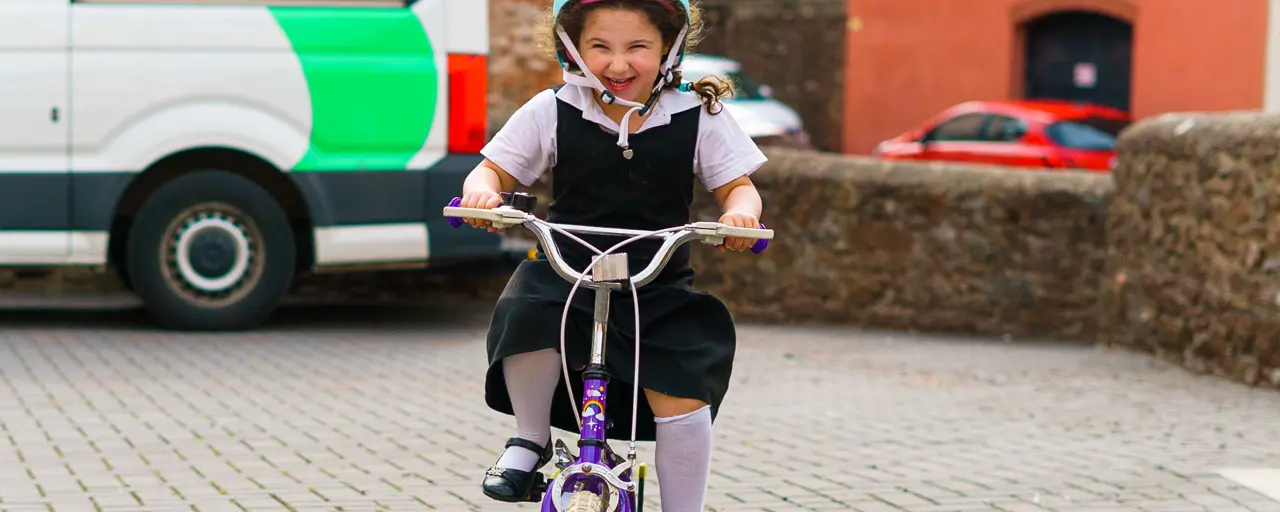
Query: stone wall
1194, 229
927, 247
518, 68
766, 36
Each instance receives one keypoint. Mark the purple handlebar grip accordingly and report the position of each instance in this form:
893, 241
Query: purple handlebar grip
456, 222
760, 244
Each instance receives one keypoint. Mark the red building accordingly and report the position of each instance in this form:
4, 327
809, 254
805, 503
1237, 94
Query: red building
908, 59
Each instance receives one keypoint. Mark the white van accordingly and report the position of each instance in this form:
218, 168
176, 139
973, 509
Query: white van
208, 150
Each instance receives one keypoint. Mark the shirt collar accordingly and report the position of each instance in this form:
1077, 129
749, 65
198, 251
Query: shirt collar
670, 102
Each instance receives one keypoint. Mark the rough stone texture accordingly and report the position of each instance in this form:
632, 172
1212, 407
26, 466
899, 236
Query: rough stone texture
928, 247
518, 68
767, 35
1195, 236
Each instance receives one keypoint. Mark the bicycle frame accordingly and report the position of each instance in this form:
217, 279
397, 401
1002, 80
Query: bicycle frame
597, 468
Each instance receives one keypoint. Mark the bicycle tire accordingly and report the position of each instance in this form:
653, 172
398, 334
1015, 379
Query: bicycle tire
585, 501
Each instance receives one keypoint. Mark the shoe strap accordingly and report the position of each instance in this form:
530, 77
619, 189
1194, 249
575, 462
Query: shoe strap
526, 444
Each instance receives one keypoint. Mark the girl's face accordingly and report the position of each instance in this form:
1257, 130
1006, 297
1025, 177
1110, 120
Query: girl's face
624, 50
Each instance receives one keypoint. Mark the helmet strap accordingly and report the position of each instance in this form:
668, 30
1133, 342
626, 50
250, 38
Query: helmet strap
666, 75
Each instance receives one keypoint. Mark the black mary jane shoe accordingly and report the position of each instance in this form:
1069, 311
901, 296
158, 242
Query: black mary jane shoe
513, 485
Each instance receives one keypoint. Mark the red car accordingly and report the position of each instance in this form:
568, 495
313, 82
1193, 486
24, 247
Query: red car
1045, 134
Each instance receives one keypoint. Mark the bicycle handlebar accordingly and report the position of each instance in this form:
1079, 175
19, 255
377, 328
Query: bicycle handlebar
505, 216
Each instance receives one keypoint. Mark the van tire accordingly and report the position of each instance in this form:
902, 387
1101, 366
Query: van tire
211, 250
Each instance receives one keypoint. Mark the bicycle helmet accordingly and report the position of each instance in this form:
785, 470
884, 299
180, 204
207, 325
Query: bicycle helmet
666, 74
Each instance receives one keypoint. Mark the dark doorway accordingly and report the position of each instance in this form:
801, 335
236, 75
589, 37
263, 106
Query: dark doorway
1079, 56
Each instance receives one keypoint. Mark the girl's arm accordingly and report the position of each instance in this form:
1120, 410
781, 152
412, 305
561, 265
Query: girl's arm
488, 177
481, 189
741, 204
739, 197
524, 146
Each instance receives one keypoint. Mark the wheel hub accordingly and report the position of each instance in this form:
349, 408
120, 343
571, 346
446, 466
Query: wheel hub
213, 253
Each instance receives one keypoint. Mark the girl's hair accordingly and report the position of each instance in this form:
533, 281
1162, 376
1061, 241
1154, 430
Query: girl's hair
711, 89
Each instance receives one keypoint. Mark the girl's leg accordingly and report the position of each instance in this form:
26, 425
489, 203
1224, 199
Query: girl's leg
683, 451
531, 384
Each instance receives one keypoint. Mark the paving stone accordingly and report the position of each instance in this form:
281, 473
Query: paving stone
340, 411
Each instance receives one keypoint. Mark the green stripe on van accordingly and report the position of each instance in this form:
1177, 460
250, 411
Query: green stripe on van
372, 78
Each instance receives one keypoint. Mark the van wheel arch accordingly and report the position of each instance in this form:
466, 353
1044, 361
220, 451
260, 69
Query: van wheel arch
245, 164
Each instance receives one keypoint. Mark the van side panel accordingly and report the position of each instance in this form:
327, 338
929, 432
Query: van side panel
34, 183
151, 80
372, 77
351, 102
432, 15
377, 91
470, 24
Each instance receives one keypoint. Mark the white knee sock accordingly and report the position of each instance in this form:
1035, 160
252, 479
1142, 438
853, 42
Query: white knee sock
531, 384
683, 460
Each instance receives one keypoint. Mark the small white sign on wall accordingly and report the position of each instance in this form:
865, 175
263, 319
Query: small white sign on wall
1086, 75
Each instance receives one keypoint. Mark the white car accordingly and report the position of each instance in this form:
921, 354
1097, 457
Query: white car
764, 118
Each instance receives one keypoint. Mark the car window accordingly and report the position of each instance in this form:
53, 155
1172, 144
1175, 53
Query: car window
964, 127
1004, 129
1112, 127
1074, 135
743, 87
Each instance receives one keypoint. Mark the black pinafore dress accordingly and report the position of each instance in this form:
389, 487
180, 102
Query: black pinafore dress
687, 336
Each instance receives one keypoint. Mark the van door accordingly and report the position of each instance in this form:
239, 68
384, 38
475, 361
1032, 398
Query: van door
35, 220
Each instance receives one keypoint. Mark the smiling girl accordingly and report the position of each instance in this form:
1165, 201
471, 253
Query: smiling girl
626, 143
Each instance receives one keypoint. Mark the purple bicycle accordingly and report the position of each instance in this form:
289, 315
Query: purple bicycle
597, 479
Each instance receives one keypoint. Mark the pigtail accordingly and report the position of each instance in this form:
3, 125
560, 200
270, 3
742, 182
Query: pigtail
711, 89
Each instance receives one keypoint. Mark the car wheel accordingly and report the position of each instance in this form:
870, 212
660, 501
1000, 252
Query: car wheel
211, 250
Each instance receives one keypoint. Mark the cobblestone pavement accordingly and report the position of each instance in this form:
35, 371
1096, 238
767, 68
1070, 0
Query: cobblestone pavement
363, 410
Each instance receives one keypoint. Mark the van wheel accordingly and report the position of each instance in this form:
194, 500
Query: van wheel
211, 250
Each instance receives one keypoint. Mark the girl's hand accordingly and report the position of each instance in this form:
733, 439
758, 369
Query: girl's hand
738, 220
483, 199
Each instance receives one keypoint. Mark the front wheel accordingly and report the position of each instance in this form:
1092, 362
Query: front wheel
586, 501
211, 250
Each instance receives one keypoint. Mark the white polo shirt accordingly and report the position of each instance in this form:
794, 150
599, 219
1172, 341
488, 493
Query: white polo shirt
525, 147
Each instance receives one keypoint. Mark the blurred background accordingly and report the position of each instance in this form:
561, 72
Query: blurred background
1025, 253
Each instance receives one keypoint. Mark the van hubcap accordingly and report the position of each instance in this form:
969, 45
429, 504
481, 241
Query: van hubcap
212, 254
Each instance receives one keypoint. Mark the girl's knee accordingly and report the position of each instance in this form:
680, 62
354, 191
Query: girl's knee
666, 406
